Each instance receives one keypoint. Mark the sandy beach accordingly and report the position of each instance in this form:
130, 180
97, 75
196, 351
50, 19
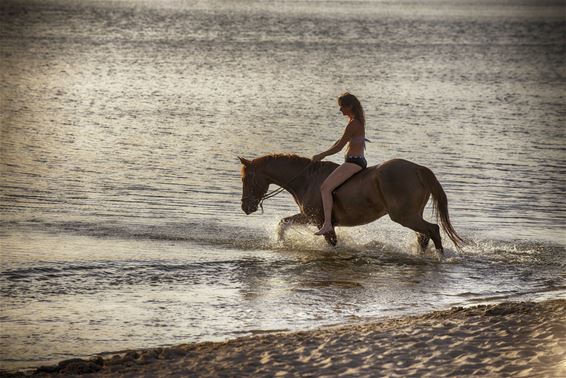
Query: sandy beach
523, 339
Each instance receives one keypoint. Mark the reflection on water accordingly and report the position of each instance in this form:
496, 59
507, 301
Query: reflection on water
120, 191
75, 295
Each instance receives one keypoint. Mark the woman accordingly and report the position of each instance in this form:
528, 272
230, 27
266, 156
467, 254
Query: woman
354, 136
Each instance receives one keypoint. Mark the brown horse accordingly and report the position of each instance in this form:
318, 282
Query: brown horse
396, 187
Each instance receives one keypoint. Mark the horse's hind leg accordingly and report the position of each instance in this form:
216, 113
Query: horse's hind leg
289, 221
423, 240
417, 223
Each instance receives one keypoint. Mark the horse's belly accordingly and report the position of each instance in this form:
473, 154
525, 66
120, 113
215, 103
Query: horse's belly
349, 215
347, 221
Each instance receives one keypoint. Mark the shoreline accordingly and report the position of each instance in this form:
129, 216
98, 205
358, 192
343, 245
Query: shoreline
511, 338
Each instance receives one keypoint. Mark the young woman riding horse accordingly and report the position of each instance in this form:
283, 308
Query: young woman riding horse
395, 187
354, 136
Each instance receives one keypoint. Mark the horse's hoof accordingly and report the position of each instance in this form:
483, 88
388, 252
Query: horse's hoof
423, 244
331, 238
440, 253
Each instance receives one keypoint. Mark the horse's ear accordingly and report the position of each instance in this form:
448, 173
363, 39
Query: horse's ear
245, 162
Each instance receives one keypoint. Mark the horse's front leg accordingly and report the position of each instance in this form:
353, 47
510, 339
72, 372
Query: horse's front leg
330, 238
289, 221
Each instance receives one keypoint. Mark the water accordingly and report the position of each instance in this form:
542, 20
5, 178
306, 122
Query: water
120, 193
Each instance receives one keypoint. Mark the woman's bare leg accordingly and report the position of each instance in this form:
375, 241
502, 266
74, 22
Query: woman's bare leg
340, 174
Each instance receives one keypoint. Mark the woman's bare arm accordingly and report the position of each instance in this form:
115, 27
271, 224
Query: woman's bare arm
338, 145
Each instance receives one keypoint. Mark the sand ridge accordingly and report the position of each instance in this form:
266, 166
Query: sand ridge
510, 339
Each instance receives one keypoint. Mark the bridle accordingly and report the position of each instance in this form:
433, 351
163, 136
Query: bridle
250, 169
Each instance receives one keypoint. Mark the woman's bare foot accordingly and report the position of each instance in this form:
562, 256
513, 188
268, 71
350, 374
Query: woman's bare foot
324, 230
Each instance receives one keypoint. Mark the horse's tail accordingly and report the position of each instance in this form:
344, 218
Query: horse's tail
440, 204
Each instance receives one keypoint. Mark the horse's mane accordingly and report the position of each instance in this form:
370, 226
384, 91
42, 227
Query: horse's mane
281, 156
288, 157
311, 166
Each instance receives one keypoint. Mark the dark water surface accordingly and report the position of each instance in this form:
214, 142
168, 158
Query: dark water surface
120, 193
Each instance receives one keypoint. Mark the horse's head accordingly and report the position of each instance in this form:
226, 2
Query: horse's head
255, 186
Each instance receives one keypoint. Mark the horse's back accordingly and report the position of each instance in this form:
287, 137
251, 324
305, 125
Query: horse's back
396, 164
398, 176
393, 169
397, 169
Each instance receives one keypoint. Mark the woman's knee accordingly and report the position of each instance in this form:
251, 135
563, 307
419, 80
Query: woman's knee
326, 187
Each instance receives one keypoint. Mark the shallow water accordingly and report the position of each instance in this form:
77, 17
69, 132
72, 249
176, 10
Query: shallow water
120, 192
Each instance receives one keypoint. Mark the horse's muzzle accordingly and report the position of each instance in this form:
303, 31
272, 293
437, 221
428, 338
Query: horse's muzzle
248, 209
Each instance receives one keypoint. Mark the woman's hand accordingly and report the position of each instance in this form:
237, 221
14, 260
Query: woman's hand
318, 157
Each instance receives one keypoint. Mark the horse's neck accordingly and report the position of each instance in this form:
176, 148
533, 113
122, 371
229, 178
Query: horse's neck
287, 174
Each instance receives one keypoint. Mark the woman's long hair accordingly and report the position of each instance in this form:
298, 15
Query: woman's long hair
348, 99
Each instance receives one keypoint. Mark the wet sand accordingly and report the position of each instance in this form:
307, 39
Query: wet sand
523, 339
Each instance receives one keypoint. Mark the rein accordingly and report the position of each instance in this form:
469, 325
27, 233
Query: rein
279, 190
